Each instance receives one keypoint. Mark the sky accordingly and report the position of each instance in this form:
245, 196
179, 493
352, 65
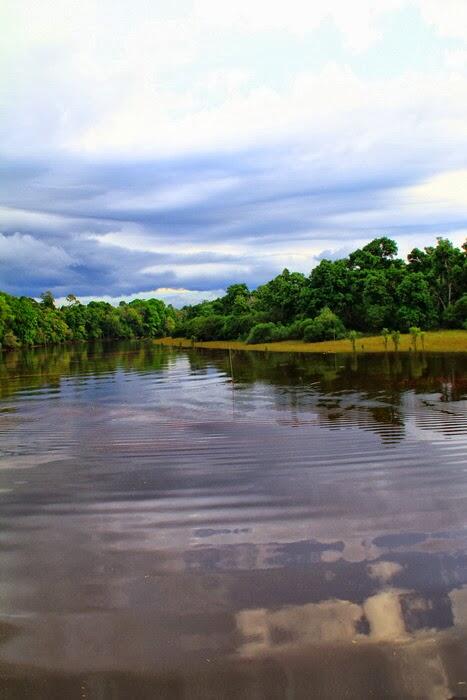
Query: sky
173, 147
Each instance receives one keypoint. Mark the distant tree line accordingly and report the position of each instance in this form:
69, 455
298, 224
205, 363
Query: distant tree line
370, 291
25, 321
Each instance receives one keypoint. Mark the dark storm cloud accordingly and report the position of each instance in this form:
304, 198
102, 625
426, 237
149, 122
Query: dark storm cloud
57, 216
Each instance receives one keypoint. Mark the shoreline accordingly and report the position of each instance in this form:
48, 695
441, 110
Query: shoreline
435, 341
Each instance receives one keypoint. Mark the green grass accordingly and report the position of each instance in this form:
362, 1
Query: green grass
434, 341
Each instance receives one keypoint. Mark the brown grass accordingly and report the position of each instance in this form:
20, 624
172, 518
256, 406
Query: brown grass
434, 341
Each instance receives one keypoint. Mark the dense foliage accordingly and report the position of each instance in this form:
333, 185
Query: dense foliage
25, 321
370, 291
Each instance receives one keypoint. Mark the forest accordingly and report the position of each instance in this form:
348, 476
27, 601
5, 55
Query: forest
370, 291
25, 321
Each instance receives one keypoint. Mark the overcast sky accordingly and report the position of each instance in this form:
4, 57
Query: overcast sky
180, 146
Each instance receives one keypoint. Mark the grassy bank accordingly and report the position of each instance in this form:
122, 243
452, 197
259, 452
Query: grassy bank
435, 341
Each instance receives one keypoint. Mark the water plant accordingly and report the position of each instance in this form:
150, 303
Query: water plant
386, 333
353, 337
396, 336
414, 334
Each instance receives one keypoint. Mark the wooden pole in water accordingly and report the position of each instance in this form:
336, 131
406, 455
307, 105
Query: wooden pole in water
233, 382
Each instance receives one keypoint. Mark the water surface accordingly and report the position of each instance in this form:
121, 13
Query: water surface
185, 524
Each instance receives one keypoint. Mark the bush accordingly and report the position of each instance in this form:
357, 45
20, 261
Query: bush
396, 336
265, 333
296, 329
408, 318
415, 333
205, 327
10, 341
460, 308
238, 326
325, 326
353, 336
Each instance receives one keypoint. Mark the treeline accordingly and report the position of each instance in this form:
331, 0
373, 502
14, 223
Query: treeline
370, 291
25, 321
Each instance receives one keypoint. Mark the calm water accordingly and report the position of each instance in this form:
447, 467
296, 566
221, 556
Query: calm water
170, 528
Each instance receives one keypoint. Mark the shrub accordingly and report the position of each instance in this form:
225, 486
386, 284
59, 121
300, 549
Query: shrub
396, 336
296, 329
10, 340
353, 337
386, 334
457, 313
238, 326
415, 333
205, 327
265, 333
325, 326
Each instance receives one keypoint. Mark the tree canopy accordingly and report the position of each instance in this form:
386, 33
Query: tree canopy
371, 290
25, 321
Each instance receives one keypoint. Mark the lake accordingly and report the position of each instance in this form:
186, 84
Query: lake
193, 524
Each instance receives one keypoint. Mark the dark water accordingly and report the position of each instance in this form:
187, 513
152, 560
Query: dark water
166, 532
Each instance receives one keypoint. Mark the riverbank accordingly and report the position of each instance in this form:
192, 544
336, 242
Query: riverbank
434, 341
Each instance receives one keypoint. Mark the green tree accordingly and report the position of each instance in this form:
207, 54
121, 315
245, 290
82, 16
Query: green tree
6, 315
281, 297
265, 333
370, 290
444, 268
48, 300
378, 254
416, 303
26, 314
331, 284
378, 304
396, 336
237, 300
325, 326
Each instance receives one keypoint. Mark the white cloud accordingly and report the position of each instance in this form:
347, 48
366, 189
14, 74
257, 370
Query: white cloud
27, 250
384, 571
206, 269
444, 191
448, 18
328, 111
151, 242
23, 218
110, 77
163, 198
27, 263
357, 21
456, 60
247, 127
178, 297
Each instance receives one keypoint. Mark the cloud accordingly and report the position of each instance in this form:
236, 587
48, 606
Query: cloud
192, 146
105, 79
449, 19
445, 191
204, 222
178, 297
26, 262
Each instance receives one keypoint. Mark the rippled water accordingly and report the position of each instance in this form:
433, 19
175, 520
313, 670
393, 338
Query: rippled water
189, 524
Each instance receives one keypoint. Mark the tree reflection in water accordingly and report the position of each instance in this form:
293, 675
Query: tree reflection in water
181, 524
